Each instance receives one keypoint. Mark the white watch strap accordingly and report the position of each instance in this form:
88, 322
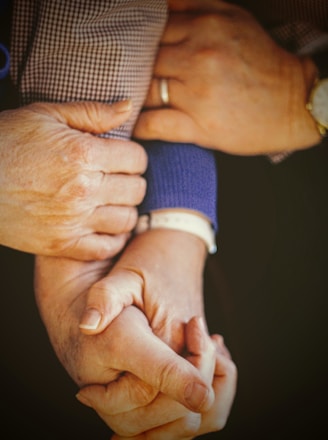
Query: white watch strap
181, 221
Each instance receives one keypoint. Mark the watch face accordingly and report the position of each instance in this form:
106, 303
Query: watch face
320, 102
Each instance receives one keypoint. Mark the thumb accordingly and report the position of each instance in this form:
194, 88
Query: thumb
153, 362
107, 298
201, 348
88, 116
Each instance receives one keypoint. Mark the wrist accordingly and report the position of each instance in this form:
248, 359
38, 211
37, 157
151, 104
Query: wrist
303, 130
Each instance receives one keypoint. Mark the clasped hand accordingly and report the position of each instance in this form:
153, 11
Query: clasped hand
173, 394
63, 190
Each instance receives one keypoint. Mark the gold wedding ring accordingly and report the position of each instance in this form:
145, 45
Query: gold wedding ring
164, 91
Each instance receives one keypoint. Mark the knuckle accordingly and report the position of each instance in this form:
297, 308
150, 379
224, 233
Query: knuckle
80, 187
99, 289
56, 247
79, 149
210, 58
142, 394
168, 375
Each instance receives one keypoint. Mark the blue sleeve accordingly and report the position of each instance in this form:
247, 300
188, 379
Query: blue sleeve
4, 61
180, 176
4, 52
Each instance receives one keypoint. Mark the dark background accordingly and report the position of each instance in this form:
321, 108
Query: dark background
266, 292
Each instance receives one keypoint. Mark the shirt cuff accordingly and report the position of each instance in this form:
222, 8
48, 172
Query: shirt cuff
180, 176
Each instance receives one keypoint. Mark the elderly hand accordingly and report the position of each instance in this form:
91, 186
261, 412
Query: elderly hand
163, 418
231, 87
64, 191
128, 345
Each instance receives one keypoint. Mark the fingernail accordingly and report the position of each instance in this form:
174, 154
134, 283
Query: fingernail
90, 319
122, 106
82, 399
196, 395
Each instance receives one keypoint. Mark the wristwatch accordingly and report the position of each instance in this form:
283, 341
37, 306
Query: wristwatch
318, 105
318, 100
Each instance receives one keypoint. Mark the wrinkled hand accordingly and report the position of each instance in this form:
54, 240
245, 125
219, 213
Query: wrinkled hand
127, 345
162, 418
231, 87
62, 189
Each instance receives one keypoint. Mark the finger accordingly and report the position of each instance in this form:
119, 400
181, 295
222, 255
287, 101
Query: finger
153, 361
172, 375
154, 99
162, 410
125, 394
216, 419
144, 419
220, 345
224, 384
120, 189
225, 367
197, 339
201, 348
113, 219
116, 156
181, 429
107, 298
167, 124
88, 116
96, 247
193, 425
186, 425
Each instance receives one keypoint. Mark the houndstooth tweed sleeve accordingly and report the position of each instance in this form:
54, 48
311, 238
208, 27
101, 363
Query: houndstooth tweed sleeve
104, 51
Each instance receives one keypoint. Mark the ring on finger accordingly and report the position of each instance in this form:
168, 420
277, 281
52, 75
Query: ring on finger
164, 91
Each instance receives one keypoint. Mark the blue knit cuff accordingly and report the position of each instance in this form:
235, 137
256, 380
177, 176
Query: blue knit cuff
180, 176
4, 61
